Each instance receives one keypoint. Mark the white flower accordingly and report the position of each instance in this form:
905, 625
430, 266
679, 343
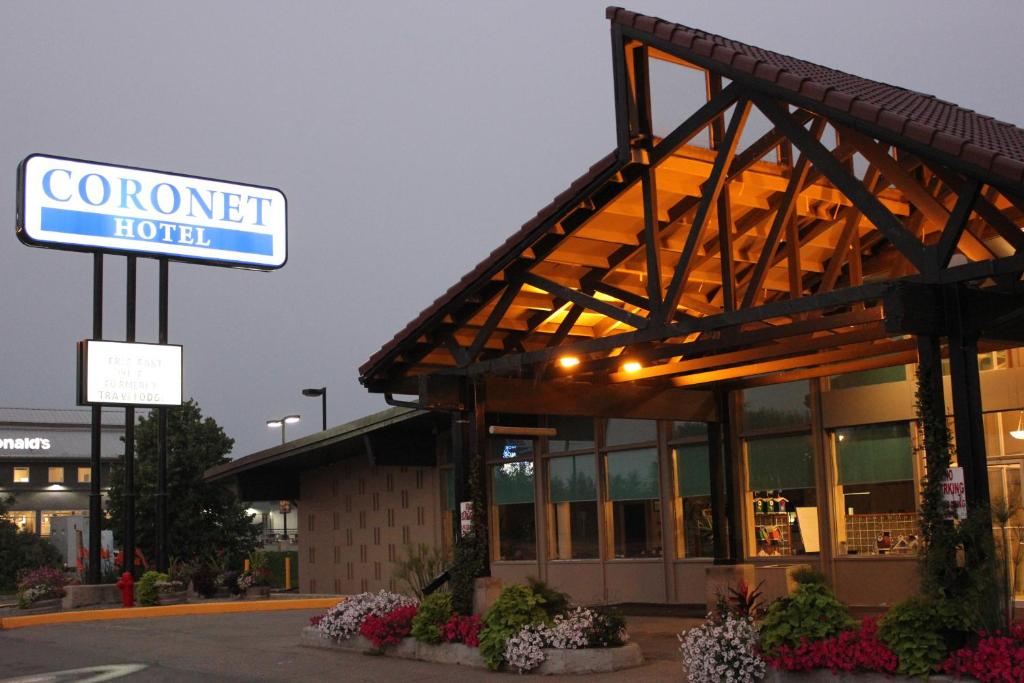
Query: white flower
525, 650
571, 630
344, 619
722, 650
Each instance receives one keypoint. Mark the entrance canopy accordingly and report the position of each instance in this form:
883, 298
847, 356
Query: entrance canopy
802, 222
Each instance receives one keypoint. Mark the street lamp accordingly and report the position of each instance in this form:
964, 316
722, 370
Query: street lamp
322, 393
282, 422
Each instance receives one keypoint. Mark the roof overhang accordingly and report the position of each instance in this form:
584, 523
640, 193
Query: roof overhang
397, 436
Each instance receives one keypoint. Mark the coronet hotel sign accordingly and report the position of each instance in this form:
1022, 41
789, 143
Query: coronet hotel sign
89, 206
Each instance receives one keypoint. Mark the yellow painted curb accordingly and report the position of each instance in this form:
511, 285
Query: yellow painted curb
167, 611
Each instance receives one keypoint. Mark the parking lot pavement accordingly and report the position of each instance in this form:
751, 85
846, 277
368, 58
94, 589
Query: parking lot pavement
254, 647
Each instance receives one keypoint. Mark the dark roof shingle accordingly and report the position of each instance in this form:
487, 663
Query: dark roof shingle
976, 139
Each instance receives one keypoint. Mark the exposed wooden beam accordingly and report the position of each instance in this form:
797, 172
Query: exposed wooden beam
783, 215
853, 188
499, 310
850, 225
968, 195
685, 131
1006, 228
578, 297
711, 191
848, 353
790, 347
868, 363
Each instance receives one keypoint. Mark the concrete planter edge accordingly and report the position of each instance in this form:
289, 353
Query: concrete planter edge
583, 661
826, 676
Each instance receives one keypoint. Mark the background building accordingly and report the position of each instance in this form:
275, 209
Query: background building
45, 462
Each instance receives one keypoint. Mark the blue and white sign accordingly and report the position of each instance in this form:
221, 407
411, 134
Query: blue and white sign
88, 206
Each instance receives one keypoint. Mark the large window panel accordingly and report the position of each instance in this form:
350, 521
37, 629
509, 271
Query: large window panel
875, 453
693, 498
572, 490
513, 496
776, 406
781, 462
622, 432
571, 434
782, 489
634, 498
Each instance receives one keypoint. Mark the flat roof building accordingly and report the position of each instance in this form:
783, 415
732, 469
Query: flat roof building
45, 461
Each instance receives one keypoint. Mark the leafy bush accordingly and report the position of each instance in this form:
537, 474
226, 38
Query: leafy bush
609, 628
811, 613
994, 659
275, 563
420, 565
858, 650
21, 551
229, 580
722, 648
922, 632
390, 628
555, 601
146, 590
434, 613
461, 629
204, 580
516, 607
808, 575
470, 559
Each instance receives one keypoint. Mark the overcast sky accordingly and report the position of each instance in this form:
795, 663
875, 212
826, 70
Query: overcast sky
411, 138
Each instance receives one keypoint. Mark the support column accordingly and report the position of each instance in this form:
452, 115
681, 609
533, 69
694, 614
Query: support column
128, 504
966, 386
95, 492
161, 486
725, 512
719, 533
733, 498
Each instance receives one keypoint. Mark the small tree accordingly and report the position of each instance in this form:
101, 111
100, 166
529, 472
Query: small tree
202, 517
21, 550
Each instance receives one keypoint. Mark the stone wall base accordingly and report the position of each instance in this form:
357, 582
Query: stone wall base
101, 594
589, 660
826, 676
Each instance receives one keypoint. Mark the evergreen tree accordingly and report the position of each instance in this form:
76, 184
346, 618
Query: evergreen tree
202, 517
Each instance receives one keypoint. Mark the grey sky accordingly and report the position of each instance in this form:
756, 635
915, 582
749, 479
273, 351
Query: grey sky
410, 137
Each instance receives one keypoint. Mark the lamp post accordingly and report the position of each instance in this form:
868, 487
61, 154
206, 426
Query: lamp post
322, 393
282, 422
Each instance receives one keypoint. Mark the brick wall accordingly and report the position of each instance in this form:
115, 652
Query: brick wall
354, 519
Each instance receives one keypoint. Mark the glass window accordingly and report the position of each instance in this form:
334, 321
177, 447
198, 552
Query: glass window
20, 475
513, 510
896, 373
875, 487
622, 432
635, 502
777, 406
84, 475
693, 500
25, 520
781, 485
689, 430
572, 522
511, 449
572, 434
55, 475
48, 516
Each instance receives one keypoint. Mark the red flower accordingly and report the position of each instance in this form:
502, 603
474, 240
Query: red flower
389, 629
849, 651
994, 659
460, 629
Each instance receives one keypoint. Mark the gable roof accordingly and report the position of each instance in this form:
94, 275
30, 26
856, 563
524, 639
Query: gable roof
976, 139
977, 145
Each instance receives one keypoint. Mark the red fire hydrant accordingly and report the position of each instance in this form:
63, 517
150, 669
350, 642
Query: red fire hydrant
127, 585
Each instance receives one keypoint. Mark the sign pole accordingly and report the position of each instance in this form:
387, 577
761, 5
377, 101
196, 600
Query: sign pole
95, 497
161, 493
128, 544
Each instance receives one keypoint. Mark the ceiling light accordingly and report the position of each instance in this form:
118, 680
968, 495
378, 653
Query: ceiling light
1018, 433
568, 361
632, 366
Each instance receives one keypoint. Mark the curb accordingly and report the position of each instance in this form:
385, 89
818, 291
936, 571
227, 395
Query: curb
271, 605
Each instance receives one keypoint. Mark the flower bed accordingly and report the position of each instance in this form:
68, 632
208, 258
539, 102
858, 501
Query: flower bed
42, 589
809, 636
517, 632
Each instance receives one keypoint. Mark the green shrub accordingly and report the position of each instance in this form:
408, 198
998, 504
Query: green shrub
275, 563
923, 631
808, 575
811, 612
555, 601
609, 628
146, 590
434, 613
21, 551
516, 607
